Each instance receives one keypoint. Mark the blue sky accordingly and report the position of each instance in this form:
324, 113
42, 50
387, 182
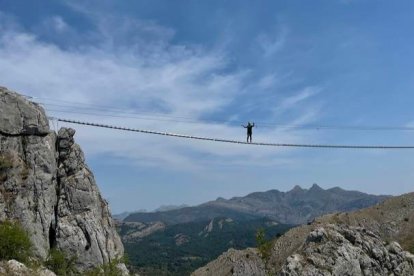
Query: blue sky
159, 64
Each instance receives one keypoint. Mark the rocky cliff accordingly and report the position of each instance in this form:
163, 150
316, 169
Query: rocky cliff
344, 250
47, 187
374, 241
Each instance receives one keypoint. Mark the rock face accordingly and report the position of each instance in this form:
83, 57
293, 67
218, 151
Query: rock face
28, 171
364, 242
343, 250
236, 263
83, 221
13, 267
137, 230
46, 186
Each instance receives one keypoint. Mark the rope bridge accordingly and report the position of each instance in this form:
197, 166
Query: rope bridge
232, 141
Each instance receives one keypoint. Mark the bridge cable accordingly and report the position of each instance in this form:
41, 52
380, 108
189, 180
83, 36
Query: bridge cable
232, 141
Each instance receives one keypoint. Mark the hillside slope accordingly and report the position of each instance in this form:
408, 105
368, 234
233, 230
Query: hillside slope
159, 249
363, 242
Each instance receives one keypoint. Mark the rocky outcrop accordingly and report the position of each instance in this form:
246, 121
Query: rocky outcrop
13, 267
84, 226
236, 263
47, 187
327, 250
28, 171
371, 241
136, 230
343, 250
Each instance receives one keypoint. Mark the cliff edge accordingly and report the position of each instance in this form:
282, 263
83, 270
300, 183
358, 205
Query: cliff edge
46, 185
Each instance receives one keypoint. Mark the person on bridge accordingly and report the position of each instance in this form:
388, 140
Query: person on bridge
249, 131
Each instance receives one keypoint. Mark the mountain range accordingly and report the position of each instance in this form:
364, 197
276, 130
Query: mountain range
176, 242
296, 206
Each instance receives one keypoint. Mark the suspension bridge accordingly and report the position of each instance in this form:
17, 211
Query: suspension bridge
384, 147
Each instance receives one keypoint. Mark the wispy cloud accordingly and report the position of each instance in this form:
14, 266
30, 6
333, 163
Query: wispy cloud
272, 43
296, 99
57, 23
168, 79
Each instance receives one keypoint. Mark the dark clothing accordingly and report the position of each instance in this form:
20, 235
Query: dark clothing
249, 131
249, 128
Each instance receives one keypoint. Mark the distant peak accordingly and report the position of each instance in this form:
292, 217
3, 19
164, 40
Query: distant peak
297, 188
336, 189
315, 187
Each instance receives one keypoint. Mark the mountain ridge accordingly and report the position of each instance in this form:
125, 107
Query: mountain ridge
296, 206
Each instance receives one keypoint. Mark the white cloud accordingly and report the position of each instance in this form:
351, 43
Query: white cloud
172, 80
410, 124
57, 23
294, 100
268, 81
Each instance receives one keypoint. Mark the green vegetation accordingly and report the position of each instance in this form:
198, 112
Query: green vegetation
263, 245
5, 162
61, 264
108, 269
182, 248
14, 242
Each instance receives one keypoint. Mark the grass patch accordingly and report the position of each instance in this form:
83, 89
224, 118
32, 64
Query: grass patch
108, 269
263, 245
6, 162
14, 242
61, 264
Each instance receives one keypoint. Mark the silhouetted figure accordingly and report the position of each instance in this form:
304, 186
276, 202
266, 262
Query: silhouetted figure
249, 131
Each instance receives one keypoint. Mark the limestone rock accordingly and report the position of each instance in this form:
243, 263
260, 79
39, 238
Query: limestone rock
15, 268
28, 177
20, 116
340, 244
236, 263
344, 250
47, 187
84, 224
138, 230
